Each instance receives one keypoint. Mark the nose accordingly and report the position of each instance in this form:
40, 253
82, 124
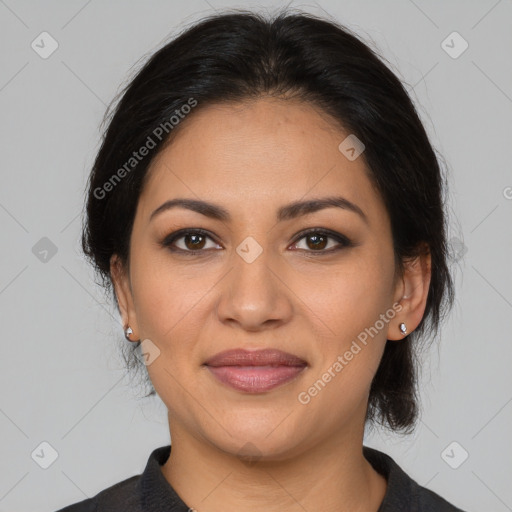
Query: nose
255, 295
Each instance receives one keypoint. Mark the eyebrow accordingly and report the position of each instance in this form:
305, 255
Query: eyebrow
287, 212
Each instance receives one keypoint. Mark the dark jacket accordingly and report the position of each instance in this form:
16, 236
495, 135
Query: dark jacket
150, 491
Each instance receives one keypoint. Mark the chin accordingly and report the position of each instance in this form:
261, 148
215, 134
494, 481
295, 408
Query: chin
256, 439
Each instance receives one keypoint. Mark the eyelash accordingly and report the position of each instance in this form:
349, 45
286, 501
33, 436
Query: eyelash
341, 239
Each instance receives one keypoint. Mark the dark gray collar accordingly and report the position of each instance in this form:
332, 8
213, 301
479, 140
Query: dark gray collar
403, 494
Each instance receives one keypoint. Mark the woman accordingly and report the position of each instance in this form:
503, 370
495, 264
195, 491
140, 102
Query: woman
269, 212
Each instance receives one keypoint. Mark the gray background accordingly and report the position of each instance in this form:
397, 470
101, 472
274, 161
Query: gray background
62, 378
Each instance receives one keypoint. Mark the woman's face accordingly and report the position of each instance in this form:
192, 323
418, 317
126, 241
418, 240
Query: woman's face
257, 281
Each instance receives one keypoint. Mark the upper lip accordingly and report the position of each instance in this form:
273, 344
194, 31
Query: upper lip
264, 357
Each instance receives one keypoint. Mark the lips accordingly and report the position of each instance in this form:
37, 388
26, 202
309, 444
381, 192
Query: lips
267, 357
255, 371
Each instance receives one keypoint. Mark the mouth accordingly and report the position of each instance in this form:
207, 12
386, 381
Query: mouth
255, 371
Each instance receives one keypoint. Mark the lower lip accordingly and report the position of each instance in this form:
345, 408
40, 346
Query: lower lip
255, 379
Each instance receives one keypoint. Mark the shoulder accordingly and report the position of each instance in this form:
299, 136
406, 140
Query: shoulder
136, 493
403, 493
121, 496
429, 501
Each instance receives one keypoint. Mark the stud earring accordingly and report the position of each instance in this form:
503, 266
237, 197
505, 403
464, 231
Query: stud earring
127, 333
403, 328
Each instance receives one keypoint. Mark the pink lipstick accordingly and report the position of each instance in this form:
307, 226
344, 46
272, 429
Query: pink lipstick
255, 371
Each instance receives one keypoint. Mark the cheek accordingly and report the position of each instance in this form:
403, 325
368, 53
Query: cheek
164, 294
351, 340
347, 308
350, 298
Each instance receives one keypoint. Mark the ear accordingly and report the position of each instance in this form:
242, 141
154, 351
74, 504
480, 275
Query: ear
121, 281
411, 293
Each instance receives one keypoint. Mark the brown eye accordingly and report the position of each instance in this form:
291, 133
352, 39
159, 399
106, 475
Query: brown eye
317, 241
189, 241
194, 242
322, 241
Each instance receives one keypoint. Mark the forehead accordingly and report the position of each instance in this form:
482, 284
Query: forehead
258, 152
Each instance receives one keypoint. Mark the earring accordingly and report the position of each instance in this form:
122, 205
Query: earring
403, 328
127, 333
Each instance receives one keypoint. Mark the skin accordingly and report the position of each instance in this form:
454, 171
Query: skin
253, 158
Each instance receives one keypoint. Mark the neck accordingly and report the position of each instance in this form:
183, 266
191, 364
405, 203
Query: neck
331, 476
